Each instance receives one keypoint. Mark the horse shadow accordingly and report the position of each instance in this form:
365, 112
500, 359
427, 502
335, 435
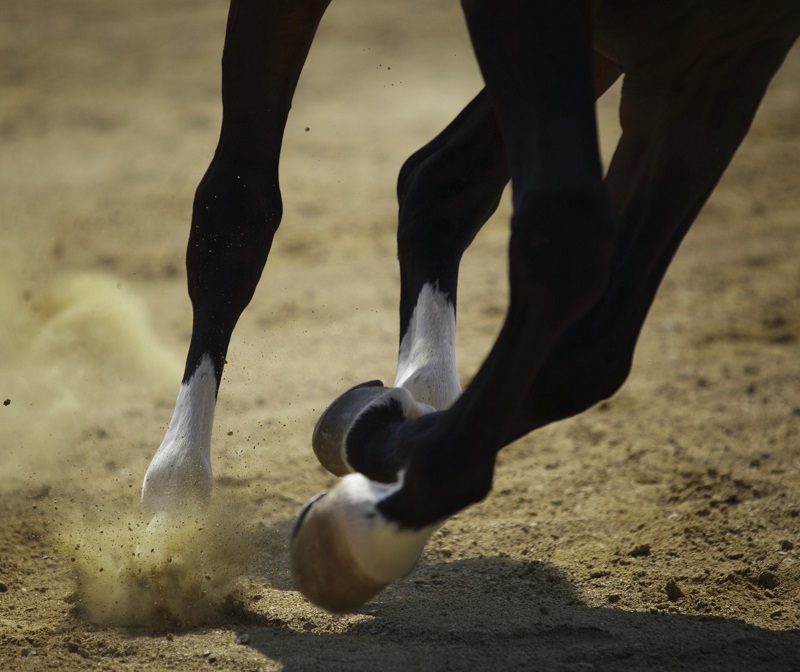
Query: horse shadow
498, 613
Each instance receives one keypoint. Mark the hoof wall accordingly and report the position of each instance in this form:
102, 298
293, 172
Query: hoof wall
336, 419
323, 565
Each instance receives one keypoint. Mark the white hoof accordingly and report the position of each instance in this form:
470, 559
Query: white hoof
344, 551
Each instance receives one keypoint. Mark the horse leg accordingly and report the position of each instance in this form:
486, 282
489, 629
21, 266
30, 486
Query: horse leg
237, 209
674, 148
446, 191
537, 64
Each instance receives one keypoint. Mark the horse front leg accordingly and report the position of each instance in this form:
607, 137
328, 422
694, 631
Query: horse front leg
446, 191
673, 150
537, 64
237, 209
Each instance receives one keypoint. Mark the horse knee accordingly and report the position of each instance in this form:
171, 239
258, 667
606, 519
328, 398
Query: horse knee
441, 207
601, 381
560, 255
448, 189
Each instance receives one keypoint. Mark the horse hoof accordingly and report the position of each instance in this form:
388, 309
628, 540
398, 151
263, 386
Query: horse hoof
323, 565
344, 550
336, 420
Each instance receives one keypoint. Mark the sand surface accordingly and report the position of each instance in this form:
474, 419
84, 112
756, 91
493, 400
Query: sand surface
658, 531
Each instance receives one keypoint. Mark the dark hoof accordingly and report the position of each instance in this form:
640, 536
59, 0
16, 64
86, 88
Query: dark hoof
333, 424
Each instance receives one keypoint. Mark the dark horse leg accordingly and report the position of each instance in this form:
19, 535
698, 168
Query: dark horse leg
676, 143
674, 148
537, 64
447, 190
237, 209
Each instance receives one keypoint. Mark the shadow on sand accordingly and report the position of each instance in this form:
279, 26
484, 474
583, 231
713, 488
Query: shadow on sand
501, 614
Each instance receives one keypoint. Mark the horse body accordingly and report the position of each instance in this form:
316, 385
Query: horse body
586, 256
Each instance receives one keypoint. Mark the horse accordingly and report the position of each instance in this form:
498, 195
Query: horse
587, 251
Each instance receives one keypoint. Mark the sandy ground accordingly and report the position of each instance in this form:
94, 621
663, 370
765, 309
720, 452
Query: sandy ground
659, 531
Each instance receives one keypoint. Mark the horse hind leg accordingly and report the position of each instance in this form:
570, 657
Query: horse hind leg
446, 191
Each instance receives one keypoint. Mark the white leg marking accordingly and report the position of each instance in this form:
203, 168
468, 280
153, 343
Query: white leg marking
178, 479
344, 551
426, 366
383, 550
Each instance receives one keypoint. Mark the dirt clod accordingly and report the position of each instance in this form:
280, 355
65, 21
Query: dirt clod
767, 579
673, 590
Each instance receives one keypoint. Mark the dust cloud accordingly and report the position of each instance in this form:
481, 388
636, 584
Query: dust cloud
168, 574
73, 348
77, 350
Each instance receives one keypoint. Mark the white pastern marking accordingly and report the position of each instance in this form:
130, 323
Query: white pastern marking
426, 366
178, 479
384, 550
